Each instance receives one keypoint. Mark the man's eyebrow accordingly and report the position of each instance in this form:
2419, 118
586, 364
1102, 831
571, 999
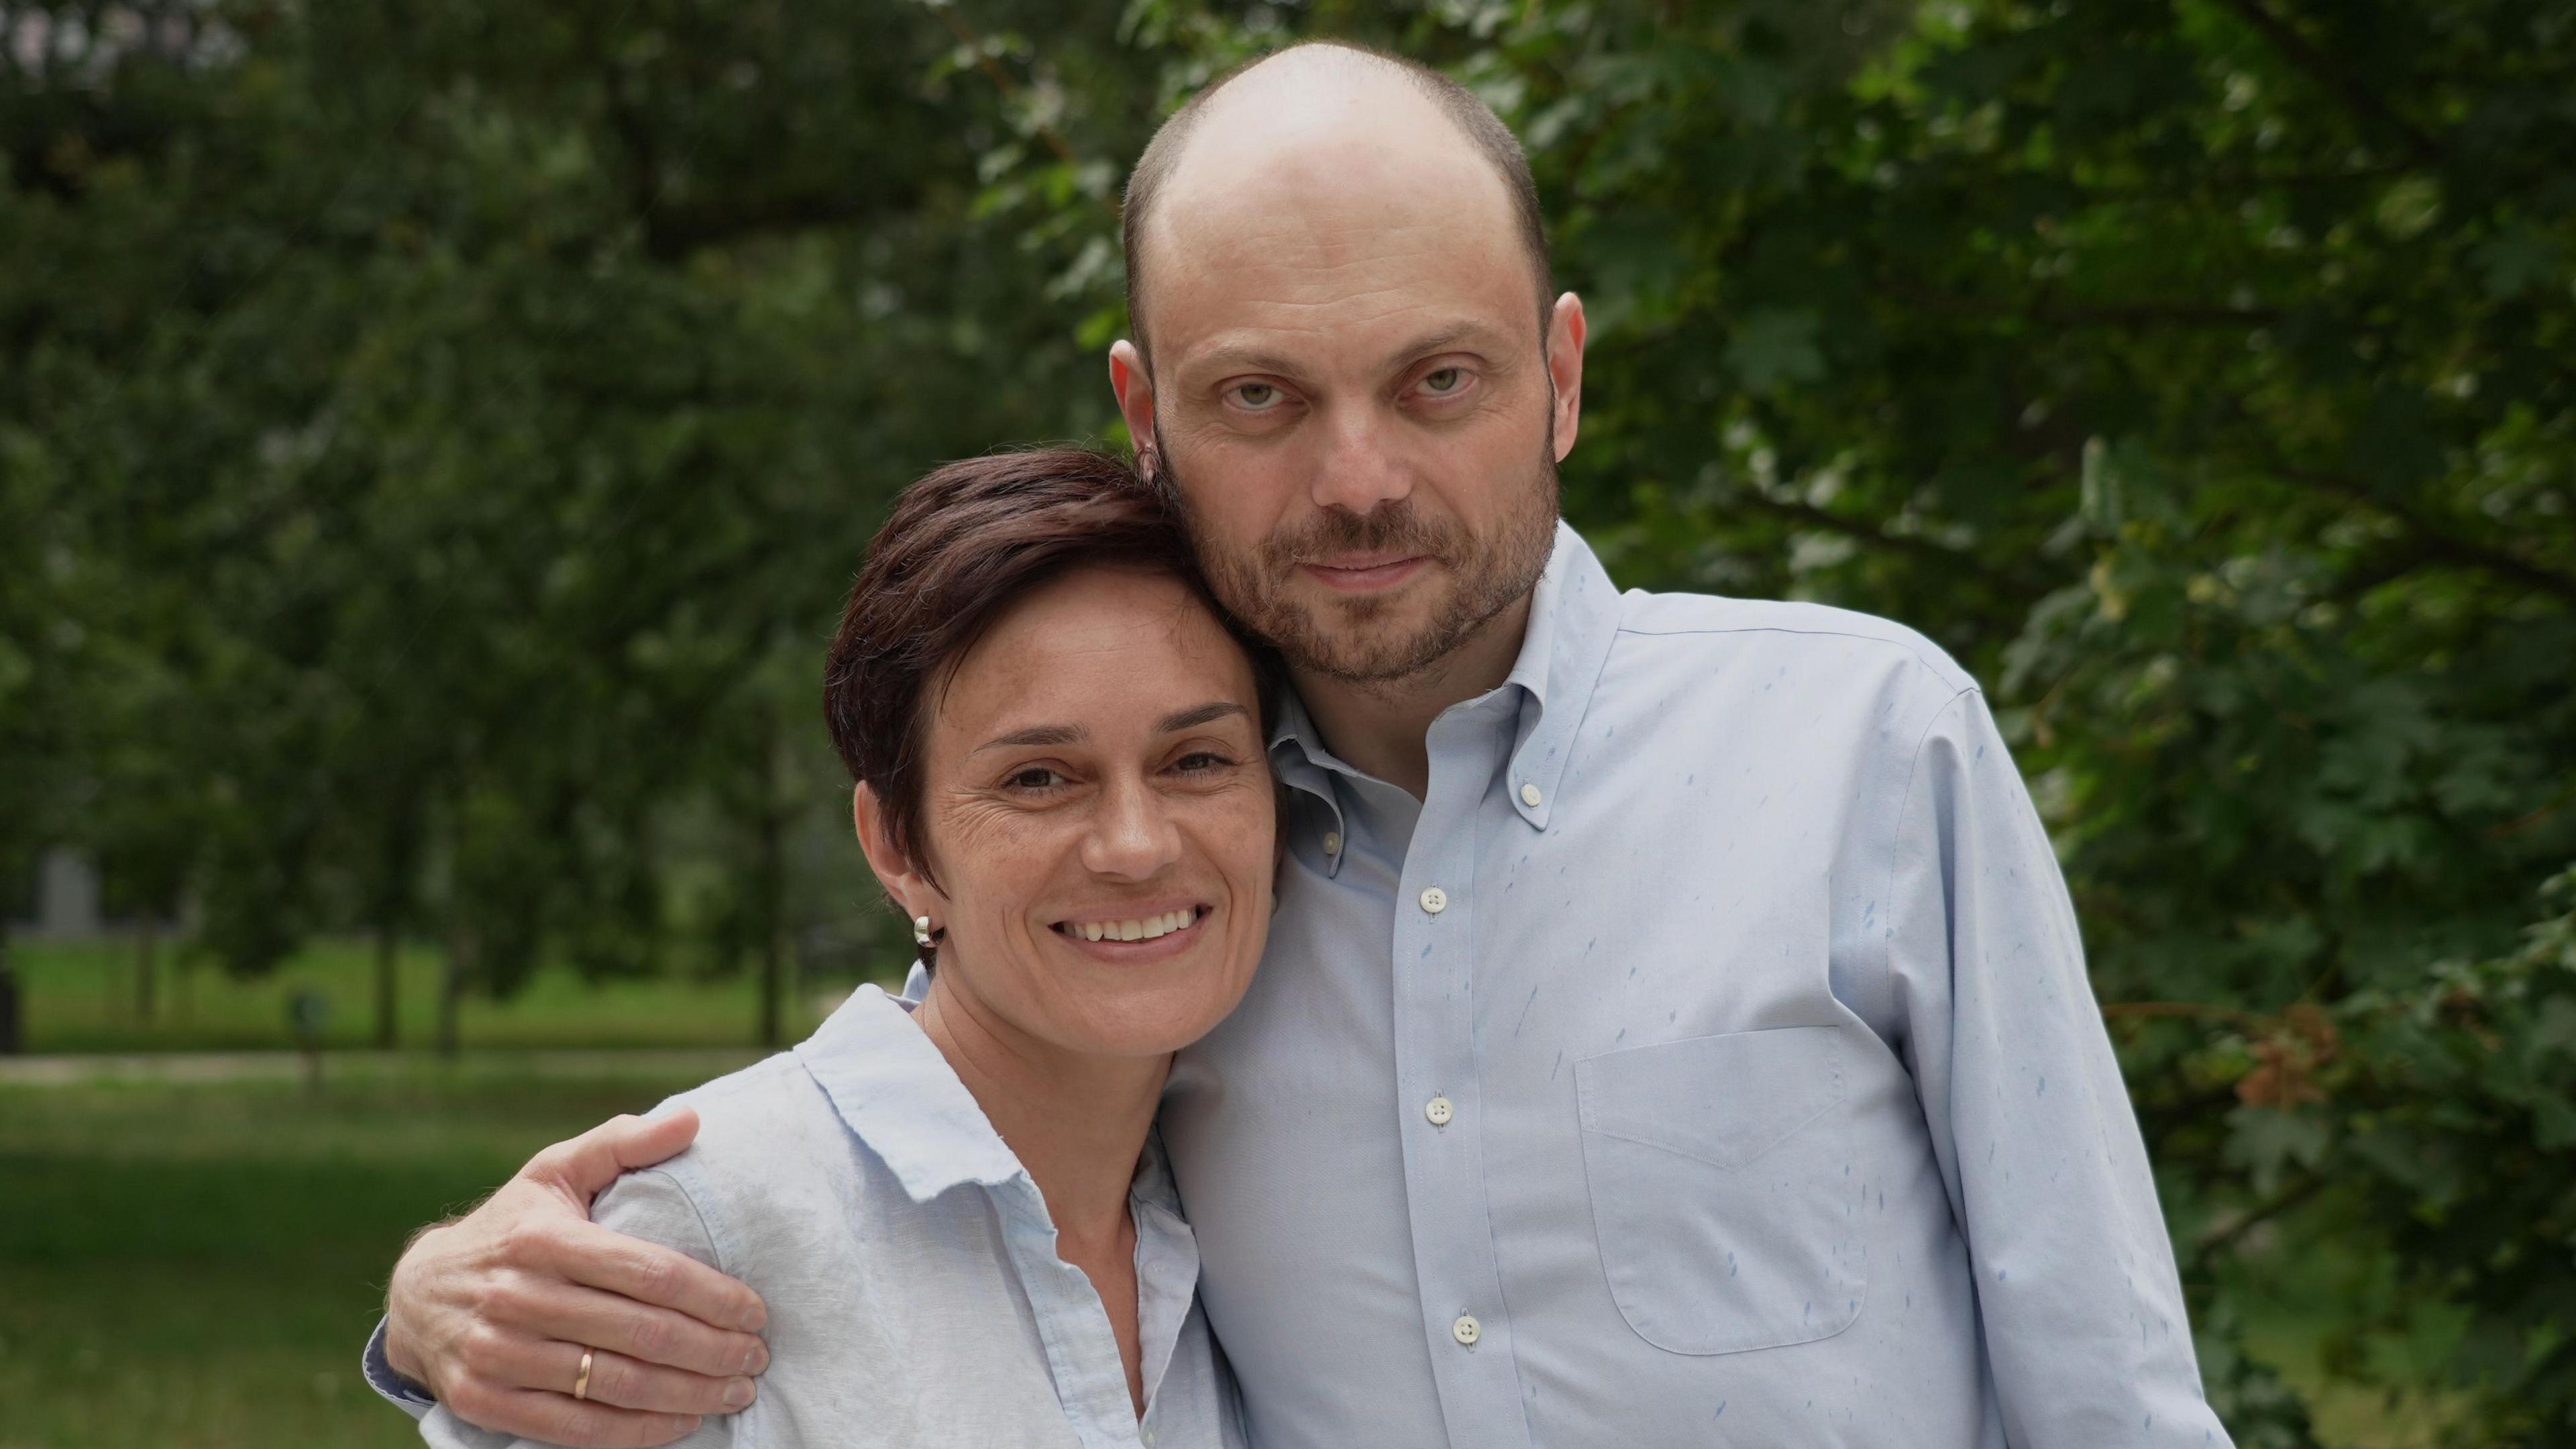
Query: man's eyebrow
1228, 358
1235, 357
1442, 339
1202, 714
1039, 735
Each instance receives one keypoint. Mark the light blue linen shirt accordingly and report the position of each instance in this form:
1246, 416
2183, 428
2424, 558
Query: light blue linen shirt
1708, 1058
915, 1296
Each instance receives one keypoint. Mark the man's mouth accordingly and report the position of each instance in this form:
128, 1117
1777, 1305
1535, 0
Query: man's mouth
1366, 572
1152, 926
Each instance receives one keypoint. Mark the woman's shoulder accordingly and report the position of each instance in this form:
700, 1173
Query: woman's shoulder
747, 1112
768, 1143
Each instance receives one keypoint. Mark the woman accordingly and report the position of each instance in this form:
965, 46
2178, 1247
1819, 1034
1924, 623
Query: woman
955, 1208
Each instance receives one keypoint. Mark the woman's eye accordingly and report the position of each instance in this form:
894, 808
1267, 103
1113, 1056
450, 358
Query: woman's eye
1444, 382
1255, 395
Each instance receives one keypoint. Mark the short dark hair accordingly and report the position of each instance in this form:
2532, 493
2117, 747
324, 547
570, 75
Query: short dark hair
963, 544
1484, 130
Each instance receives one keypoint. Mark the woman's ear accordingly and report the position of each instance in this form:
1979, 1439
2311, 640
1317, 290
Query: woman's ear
912, 891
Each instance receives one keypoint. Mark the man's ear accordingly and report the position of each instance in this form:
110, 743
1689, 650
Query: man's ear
912, 891
1134, 388
1565, 369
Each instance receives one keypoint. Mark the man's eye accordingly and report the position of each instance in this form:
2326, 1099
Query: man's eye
1201, 761
1444, 381
1255, 394
1035, 777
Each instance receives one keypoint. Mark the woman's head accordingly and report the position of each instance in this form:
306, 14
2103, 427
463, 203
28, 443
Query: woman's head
1059, 744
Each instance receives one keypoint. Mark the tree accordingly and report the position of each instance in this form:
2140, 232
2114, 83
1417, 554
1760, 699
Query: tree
433, 441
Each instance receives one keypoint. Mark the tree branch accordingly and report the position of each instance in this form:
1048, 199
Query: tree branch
2262, 1213
2432, 543
2326, 71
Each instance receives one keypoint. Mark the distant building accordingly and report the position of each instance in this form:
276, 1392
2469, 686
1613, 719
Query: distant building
66, 903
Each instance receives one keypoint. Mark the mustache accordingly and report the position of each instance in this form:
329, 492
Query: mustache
1394, 527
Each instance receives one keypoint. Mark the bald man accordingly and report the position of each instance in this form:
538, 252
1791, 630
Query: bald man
1674, 1029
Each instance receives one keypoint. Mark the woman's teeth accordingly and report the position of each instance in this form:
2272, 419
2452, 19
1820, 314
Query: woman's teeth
1143, 928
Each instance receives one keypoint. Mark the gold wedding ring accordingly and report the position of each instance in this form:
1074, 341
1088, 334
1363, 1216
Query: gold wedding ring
581, 1381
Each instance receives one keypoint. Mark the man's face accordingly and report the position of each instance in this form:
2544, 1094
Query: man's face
1351, 388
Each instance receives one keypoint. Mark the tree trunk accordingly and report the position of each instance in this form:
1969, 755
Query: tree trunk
145, 946
388, 983
773, 953
451, 989
12, 1023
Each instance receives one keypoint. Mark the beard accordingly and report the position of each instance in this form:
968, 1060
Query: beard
1360, 640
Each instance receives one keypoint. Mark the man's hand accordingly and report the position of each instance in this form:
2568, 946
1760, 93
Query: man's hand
493, 1310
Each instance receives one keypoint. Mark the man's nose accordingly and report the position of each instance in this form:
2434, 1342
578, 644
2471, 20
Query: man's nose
1360, 467
1132, 835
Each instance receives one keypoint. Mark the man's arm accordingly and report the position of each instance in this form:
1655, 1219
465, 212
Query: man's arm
2037, 1142
490, 1313
648, 1205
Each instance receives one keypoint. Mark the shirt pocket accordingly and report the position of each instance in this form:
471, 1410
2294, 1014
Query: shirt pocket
1724, 1195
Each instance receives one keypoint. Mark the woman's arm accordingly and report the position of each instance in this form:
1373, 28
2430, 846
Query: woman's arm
650, 1205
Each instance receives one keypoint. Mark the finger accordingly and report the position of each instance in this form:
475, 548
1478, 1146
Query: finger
663, 1336
587, 1164
622, 1383
652, 1274
553, 1418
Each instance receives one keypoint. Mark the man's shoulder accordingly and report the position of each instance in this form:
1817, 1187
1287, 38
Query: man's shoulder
1737, 625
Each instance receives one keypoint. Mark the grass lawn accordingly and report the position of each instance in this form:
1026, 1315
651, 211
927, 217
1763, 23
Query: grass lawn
81, 997
187, 1263
198, 1265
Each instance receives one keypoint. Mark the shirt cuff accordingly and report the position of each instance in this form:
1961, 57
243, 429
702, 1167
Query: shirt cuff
401, 1392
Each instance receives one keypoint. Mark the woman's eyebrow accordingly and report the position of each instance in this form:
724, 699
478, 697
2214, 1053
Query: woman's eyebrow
1039, 735
1198, 715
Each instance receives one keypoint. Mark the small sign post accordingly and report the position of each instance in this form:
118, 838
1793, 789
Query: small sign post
307, 1011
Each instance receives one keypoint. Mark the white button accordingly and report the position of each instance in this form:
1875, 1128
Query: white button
1466, 1330
1332, 842
1434, 899
1148, 1437
1530, 796
1439, 1111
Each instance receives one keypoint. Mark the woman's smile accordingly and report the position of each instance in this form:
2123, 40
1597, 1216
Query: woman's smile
1128, 934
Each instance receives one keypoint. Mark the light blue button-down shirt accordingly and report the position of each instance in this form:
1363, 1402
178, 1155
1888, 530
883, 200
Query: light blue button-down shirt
1707, 1058
915, 1296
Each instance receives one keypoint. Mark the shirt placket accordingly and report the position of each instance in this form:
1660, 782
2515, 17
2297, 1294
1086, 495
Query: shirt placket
1090, 1378
1439, 1098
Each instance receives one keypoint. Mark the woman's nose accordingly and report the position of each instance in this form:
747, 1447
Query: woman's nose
1132, 837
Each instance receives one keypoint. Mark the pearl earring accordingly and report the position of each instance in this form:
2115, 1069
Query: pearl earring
921, 930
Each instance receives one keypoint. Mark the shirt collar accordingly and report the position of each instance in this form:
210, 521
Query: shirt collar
1573, 617
1574, 614
901, 1098
894, 1089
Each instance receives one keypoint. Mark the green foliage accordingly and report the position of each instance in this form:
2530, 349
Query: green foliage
433, 439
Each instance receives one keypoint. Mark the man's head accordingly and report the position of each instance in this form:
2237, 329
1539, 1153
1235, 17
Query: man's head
1358, 385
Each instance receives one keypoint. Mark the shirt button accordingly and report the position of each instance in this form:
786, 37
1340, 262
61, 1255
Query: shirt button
1466, 1330
1439, 1111
1148, 1437
1530, 796
1434, 900
1332, 842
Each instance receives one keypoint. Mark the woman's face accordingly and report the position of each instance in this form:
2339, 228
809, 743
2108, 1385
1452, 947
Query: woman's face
1099, 814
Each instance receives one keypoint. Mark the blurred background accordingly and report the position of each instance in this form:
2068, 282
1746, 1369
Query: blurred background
435, 436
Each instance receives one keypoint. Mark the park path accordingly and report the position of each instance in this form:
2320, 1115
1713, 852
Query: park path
184, 1068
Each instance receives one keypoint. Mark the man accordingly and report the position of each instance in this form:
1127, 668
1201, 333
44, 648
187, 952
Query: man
1674, 1028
